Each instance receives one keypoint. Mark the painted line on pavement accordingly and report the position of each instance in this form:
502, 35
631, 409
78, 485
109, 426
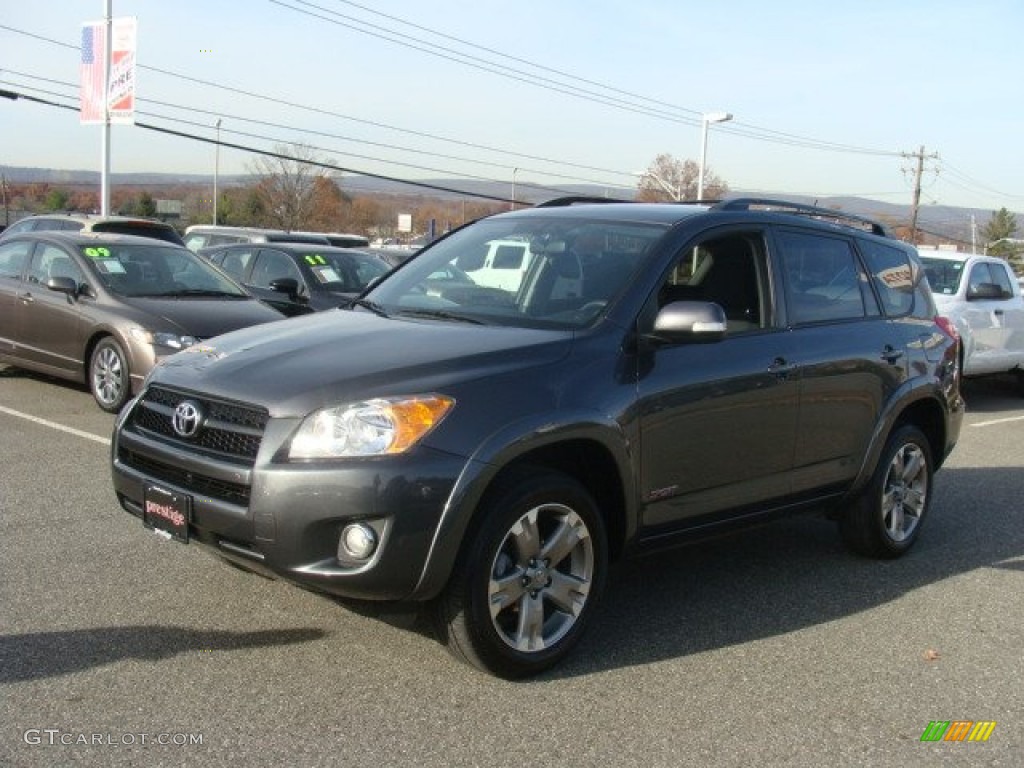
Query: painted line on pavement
55, 425
992, 422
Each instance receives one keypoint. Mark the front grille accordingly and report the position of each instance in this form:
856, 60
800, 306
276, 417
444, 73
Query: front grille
198, 484
229, 430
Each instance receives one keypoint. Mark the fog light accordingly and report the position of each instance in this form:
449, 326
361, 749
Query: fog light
358, 542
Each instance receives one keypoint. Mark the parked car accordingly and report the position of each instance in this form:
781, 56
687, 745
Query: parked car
104, 308
297, 278
342, 239
981, 295
199, 236
490, 452
83, 222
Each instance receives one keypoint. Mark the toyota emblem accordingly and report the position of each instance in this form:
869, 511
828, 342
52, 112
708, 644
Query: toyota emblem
187, 419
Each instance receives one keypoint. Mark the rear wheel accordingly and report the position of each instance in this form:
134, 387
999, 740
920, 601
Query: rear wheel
886, 520
522, 596
109, 378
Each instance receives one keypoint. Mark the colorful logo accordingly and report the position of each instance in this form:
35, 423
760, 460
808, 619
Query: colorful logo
958, 730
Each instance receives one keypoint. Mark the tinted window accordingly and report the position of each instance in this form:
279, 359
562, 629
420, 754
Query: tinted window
823, 278
236, 261
893, 276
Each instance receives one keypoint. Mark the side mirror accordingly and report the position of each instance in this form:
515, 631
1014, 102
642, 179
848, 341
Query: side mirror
288, 285
66, 285
983, 291
688, 321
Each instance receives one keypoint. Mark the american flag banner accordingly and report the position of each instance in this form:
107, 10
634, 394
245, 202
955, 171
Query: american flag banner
121, 88
92, 72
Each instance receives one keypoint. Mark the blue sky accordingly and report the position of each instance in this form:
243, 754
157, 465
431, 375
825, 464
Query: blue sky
869, 80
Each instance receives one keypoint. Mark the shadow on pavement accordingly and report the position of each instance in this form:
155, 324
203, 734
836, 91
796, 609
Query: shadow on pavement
40, 655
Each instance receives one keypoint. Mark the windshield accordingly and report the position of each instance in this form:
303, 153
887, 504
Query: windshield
156, 270
345, 272
521, 271
943, 274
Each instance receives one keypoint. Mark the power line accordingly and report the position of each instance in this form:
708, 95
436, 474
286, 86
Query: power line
15, 96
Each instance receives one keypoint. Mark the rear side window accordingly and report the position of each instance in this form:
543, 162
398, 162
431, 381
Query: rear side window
13, 257
824, 282
893, 276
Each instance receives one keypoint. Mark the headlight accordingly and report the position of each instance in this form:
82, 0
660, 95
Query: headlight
172, 340
370, 428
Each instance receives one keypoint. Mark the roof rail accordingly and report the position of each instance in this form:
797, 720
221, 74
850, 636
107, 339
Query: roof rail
784, 206
560, 202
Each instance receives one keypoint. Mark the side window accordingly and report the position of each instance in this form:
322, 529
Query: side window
729, 271
989, 281
25, 225
273, 265
823, 280
13, 257
235, 262
893, 275
50, 261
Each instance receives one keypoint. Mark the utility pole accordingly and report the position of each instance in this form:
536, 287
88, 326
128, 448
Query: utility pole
920, 156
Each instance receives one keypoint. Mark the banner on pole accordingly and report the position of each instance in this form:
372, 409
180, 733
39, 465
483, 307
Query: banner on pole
121, 86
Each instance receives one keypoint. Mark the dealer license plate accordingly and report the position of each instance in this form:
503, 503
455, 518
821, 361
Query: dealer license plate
167, 512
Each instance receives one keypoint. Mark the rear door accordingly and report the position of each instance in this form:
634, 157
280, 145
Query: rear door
50, 325
850, 356
14, 257
270, 265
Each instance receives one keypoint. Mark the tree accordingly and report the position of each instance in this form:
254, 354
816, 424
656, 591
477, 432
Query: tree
998, 233
670, 179
57, 200
287, 184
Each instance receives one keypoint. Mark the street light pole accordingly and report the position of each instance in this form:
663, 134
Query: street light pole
706, 119
675, 193
216, 171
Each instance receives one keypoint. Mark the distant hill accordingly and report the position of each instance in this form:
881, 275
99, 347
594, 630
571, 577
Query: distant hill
938, 220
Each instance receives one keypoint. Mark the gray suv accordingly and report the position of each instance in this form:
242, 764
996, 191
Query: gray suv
660, 373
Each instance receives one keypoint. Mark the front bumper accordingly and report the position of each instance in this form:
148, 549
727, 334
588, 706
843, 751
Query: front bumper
284, 519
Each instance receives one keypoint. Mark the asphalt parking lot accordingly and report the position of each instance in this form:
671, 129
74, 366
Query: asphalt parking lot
774, 647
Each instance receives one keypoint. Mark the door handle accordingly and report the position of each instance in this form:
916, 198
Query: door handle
890, 354
781, 368
26, 297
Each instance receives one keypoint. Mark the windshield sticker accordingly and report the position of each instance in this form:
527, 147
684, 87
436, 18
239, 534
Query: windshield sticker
315, 259
96, 253
326, 275
110, 266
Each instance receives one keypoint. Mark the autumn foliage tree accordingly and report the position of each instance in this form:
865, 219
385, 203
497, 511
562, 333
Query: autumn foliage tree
670, 179
287, 183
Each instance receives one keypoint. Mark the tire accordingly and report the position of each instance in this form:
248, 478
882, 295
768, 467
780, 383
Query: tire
109, 377
886, 520
529, 577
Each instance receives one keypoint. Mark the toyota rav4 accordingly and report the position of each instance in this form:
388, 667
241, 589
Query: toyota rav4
488, 452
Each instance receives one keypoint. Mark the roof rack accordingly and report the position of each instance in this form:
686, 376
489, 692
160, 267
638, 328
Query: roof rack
561, 202
783, 206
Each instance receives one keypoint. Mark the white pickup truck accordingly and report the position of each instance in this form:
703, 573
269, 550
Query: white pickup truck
981, 295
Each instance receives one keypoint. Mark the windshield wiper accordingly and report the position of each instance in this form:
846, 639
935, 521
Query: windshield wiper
441, 314
373, 306
208, 292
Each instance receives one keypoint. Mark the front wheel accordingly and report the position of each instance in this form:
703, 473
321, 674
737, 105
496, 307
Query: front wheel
529, 579
886, 520
109, 379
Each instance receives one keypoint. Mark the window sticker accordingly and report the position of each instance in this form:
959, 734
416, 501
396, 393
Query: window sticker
326, 275
314, 259
96, 253
110, 266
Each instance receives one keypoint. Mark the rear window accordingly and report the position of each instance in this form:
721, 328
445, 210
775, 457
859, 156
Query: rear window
893, 276
141, 228
943, 275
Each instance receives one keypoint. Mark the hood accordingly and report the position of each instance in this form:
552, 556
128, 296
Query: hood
297, 365
204, 317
